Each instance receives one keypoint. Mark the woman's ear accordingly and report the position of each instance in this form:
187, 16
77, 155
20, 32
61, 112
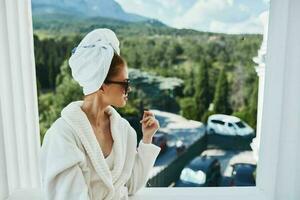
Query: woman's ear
102, 88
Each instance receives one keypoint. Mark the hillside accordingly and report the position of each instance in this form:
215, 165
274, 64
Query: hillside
84, 8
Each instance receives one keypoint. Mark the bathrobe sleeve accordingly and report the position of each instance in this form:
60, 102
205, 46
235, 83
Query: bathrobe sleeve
62, 176
145, 157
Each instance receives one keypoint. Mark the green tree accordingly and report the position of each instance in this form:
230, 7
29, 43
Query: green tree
249, 112
253, 106
68, 89
188, 107
189, 87
221, 103
202, 91
51, 103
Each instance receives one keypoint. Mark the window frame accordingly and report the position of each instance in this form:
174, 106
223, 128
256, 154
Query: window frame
279, 138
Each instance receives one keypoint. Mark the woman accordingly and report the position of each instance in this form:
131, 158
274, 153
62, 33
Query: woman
90, 151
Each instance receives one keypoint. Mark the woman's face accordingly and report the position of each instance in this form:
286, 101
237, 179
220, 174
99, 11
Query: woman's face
115, 93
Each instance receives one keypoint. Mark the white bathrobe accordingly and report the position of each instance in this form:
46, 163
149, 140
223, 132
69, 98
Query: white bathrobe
73, 166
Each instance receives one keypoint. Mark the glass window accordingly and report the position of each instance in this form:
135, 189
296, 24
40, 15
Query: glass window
240, 124
217, 122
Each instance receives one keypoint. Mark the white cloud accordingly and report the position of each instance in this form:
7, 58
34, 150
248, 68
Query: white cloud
228, 16
243, 8
133, 6
199, 13
220, 16
252, 25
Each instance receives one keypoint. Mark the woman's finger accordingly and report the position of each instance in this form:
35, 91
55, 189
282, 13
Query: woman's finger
154, 121
149, 122
147, 113
146, 118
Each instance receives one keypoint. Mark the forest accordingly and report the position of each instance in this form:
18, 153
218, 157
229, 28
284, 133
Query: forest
187, 72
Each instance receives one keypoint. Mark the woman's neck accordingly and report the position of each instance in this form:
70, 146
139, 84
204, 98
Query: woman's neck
95, 109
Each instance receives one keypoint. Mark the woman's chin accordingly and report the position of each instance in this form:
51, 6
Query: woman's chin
125, 101
121, 105
124, 104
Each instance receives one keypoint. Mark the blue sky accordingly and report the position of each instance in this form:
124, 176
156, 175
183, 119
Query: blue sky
226, 16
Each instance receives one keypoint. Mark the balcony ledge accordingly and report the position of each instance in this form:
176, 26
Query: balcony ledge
212, 193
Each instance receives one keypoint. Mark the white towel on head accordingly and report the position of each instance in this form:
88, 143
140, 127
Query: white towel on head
92, 58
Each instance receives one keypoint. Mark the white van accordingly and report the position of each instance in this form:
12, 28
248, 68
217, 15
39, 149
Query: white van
228, 125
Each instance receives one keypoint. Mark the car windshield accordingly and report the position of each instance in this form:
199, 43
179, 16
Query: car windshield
189, 175
240, 124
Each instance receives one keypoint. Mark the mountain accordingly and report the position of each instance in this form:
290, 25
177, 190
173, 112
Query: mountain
84, 8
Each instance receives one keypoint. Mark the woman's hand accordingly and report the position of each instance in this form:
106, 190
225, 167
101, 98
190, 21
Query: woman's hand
149, 126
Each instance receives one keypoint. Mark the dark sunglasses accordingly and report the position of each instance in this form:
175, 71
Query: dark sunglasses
125, 84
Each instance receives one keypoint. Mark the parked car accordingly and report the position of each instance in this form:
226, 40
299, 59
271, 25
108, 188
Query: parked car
201, 171
160, 139
180, 147
228, 125
243, 174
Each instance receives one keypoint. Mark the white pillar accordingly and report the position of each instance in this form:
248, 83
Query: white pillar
260, 70
19, 129
281, 106
287, 182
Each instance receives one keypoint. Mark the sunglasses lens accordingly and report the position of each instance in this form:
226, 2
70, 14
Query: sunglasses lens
126, 87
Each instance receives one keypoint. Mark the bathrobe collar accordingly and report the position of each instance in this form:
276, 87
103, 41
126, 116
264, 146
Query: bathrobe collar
78, 120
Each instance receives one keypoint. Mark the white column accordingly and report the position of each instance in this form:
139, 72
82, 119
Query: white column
287, 183
281, 106
19, 129
260, 70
